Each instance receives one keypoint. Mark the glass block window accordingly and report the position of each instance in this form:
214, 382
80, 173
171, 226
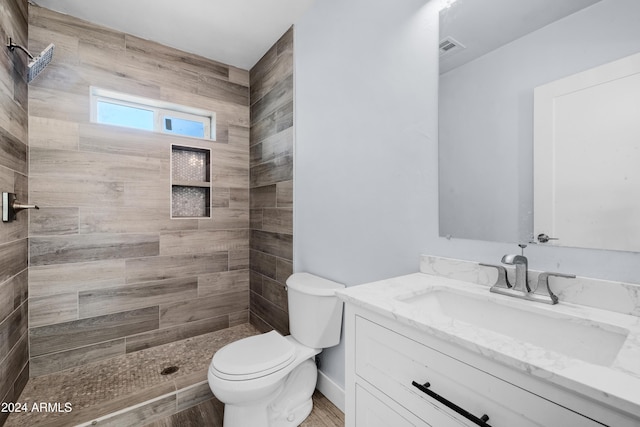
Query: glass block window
119, 109
190, 182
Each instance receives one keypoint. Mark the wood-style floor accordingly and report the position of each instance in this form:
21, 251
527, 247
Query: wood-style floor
209, 413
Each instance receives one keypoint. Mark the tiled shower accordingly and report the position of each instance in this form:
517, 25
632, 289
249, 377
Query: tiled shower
110, 271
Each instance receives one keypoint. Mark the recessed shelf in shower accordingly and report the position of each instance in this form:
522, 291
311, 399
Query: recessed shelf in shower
190, 182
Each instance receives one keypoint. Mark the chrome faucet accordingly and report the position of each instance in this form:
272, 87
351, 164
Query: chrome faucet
522, 271
521, 289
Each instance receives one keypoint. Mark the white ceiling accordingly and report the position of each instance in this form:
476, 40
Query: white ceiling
235, 32
484, 25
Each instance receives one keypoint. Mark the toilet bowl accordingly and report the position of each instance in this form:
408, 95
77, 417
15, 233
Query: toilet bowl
267, 380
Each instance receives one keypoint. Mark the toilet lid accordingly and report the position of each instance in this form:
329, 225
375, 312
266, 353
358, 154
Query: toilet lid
254, 355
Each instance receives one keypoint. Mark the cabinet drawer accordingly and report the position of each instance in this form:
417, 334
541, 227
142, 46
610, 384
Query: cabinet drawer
391, 362
373, 412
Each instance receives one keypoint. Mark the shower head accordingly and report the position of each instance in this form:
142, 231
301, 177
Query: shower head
38, 63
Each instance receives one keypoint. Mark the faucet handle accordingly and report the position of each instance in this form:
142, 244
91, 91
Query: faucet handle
502, 281
543, 280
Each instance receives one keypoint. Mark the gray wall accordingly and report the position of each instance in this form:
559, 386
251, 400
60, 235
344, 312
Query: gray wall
365, 137
366, 195
14, 352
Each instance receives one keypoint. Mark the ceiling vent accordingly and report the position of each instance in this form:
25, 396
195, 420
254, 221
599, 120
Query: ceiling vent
449, 45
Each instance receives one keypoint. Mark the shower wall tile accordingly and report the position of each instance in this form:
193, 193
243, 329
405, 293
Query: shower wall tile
59, 192
50, 309
226, 281
54, 221
94, 330
275, 293
175, 333
63, 278
12, 330
138, 295
272, 171
126, 219
238, 318
180, 313
239, 136
94, 247
264, 197
13, 293
13, 258
164, 267
98, 138
284, 269
278, 220
276, 244
14, 353
281, 119
271, 183
55, 362
13, 152
6, 299
263, 263
220, 197
91, 165
271, 67
238, 75
226, 219
104, 239
280, 95
66, 136
284, 194
269, 313
203, 241
239, 260
12, 365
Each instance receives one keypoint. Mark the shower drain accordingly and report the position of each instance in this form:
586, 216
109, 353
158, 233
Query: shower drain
169, 370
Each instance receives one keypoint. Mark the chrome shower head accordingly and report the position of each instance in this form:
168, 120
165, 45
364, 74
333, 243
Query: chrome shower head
38, 63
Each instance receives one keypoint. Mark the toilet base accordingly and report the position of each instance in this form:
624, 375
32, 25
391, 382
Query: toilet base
287, 407
242, 416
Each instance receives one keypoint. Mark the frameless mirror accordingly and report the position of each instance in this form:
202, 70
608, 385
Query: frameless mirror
493, 56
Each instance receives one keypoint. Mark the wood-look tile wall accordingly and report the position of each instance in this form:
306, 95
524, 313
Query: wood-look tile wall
14, 366
110, 271
272, 185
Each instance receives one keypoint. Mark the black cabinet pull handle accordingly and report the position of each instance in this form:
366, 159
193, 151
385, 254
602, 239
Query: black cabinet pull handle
482, 421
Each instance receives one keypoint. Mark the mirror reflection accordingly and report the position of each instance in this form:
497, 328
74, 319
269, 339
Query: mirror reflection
494, 54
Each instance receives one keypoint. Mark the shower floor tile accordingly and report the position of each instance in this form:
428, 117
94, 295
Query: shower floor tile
101, 388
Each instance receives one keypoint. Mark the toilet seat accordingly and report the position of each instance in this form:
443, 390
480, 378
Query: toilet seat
253, 357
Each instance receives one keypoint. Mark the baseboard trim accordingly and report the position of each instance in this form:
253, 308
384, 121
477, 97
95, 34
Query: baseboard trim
331, 390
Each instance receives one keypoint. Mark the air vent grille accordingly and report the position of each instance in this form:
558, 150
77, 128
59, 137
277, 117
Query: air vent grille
450, 45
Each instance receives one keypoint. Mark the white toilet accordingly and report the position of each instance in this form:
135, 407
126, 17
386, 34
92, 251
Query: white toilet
267, 380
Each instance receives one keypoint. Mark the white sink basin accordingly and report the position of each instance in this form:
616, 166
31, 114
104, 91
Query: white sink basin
575, 337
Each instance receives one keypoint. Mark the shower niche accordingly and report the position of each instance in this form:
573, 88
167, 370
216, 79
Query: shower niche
190, 182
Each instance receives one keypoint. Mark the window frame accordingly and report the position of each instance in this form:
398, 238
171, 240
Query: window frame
160, 109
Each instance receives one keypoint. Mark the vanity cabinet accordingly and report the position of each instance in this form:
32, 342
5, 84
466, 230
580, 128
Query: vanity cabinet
384, 358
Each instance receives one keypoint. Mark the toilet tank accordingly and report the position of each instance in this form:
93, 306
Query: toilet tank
315, 313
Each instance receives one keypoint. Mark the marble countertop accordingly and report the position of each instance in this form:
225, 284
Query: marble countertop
615, 382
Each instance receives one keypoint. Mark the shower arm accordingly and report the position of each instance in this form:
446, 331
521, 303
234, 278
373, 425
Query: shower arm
12, 47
